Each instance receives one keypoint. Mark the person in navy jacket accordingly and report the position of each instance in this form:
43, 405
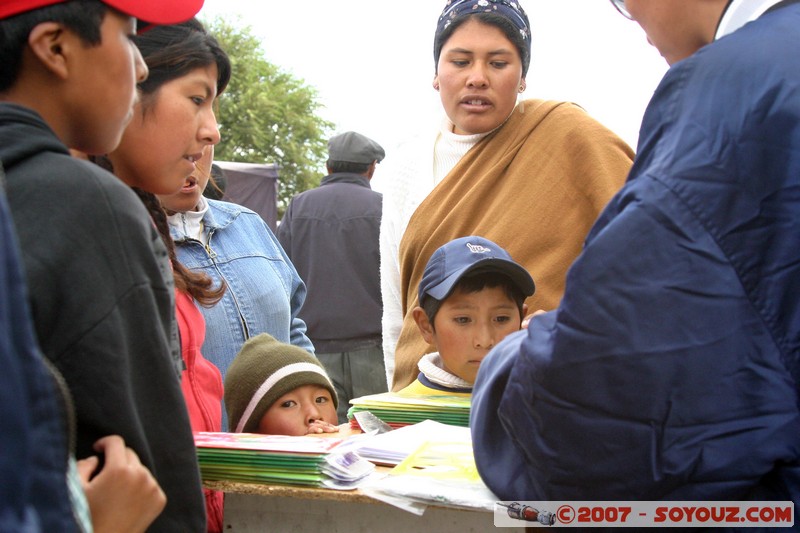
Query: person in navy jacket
670, 369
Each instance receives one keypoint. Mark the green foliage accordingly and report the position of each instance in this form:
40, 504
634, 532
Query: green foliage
268, 116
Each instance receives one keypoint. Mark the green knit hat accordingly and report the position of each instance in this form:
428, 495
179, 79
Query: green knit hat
263, 371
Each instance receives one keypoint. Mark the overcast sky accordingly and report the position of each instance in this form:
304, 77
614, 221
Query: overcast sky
372, 60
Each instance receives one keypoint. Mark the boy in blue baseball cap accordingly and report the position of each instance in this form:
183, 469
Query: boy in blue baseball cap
471, 296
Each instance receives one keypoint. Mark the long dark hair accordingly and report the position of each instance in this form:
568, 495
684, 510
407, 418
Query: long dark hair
171, 52
197, 284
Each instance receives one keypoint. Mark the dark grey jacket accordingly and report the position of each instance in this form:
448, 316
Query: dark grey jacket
101, 295
331, 235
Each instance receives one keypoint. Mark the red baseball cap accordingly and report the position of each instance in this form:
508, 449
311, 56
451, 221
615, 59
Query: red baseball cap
152, 11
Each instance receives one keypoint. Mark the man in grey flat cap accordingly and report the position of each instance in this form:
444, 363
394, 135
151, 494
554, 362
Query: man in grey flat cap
331, 235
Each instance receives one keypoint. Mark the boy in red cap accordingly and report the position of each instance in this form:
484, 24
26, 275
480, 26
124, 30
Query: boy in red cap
100, 285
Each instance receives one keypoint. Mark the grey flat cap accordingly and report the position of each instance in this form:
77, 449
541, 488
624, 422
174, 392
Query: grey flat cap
352, 147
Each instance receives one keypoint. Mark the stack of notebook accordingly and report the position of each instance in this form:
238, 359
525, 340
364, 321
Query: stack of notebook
399, 410
278, 459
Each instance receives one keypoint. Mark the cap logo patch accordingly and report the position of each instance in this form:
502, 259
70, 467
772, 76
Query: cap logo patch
477, 248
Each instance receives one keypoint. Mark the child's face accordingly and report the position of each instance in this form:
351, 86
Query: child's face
167, 136
104, 91
468, 325
293, 413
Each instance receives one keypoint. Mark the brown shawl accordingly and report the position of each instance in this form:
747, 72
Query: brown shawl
534, 186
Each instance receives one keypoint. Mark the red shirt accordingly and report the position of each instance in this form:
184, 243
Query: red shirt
201, 383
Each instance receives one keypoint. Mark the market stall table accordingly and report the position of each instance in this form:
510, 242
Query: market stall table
282, 508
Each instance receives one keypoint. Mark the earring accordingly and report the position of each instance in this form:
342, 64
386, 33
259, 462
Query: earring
522, 88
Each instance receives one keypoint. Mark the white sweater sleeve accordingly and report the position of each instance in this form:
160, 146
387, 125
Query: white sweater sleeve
407, 180
392, 320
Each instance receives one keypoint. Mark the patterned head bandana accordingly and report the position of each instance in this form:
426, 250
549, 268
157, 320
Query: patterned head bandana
509, 9
506, 8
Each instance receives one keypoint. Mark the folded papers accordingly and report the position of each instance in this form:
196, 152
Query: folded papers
440, 471
279, 459
391, 448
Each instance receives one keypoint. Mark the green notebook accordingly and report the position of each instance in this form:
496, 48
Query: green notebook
398, 410
268, 459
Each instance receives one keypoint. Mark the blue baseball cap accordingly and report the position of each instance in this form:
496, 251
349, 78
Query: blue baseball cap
468, 255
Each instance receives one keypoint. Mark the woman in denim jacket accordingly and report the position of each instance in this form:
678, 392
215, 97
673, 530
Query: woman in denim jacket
232, 243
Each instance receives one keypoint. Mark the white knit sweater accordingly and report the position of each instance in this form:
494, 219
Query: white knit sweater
409, 175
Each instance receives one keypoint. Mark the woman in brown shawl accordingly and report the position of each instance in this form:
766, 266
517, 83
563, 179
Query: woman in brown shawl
531, 175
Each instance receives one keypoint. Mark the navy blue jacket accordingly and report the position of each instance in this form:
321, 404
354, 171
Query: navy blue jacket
34, 426
671, 368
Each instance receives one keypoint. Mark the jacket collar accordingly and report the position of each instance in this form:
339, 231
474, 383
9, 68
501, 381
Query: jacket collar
218, 215
740, 12
221, 214
18, 122
346, 177
435, 386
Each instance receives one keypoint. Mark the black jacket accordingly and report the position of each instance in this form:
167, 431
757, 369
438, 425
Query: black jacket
101, 294
331, 235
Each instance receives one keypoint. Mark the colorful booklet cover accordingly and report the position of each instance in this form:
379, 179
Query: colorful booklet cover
278, 459
269, 443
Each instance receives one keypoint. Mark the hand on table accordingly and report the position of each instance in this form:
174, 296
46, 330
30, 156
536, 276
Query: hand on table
320, 426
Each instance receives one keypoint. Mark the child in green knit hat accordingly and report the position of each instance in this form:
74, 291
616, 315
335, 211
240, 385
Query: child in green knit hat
279, 389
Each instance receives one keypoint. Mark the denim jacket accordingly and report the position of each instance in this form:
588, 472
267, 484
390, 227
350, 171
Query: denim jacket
264, 292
